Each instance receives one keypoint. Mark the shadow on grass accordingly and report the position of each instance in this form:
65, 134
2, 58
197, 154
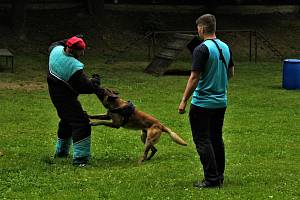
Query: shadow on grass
228, 183
114, 162
280, 87
122, 161
111, 161
276, 87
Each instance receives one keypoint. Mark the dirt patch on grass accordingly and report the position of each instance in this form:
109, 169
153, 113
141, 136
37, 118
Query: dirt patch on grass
26, 86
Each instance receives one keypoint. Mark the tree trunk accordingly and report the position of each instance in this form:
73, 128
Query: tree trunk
96, 8
18, 17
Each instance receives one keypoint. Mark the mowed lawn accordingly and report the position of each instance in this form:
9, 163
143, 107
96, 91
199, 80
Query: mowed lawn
261, 134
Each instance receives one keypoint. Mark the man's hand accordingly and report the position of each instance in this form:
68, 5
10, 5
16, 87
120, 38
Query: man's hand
96, 80
189, 89
181, 107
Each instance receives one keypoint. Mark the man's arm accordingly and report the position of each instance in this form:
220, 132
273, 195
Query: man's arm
57, 43
82, 84
200, 57
189, 89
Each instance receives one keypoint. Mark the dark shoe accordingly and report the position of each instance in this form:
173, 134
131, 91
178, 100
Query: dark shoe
61, 155
80, 165
221, 181
207, 184
81, 161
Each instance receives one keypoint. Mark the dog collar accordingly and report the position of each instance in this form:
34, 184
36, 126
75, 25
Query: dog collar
125, 111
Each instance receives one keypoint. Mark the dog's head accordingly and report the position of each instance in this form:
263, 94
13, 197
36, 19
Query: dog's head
107, 97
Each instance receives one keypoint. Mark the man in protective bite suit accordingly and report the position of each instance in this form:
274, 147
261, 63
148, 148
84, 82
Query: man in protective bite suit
66, 80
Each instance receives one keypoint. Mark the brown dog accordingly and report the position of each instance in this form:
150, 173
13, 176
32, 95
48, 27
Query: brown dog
122, 113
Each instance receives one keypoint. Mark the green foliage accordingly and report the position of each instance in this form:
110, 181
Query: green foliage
261, 134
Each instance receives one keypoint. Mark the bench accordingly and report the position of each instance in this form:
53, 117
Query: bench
8, 55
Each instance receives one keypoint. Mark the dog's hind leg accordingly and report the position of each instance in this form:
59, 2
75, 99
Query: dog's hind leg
144, 135
153, 152
146, 150
153, 149
153, 134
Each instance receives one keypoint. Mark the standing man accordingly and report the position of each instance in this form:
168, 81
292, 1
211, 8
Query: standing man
212, 66
66, 80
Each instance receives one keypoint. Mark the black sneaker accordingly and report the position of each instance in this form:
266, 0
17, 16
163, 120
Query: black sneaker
207, 184
80, 165
81, 161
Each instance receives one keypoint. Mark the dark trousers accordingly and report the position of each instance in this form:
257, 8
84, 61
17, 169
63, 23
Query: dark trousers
73, 121
206, 125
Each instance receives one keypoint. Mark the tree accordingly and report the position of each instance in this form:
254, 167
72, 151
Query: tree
211, 6
96, 9
18, 17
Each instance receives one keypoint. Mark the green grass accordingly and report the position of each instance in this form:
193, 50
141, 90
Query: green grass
261, 134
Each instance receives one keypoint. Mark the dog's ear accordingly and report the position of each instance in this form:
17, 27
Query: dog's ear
112, 91
96, 76
111, 98
115, 92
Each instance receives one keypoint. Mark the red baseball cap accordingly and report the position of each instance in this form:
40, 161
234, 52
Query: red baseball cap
76, 43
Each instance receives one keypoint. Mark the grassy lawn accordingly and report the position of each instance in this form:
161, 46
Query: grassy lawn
261, 134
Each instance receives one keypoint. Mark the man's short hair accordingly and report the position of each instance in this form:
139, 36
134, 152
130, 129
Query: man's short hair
208, 21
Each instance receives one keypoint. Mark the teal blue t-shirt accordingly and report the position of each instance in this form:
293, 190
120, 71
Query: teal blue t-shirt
63, 65
211, 91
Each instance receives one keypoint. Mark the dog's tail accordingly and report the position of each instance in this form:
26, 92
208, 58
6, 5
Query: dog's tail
175, 137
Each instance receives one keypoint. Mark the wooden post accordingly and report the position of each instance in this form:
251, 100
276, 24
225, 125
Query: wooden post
250, 46
255, 56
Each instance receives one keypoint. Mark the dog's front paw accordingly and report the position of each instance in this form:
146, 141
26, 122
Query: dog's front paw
142, 160
93, 123
86, 114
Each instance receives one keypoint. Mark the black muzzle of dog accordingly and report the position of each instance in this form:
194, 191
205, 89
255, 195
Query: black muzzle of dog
100, 92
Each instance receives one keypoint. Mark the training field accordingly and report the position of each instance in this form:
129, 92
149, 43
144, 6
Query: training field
261, 134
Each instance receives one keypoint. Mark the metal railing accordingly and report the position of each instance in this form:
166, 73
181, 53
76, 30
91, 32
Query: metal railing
254, 37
